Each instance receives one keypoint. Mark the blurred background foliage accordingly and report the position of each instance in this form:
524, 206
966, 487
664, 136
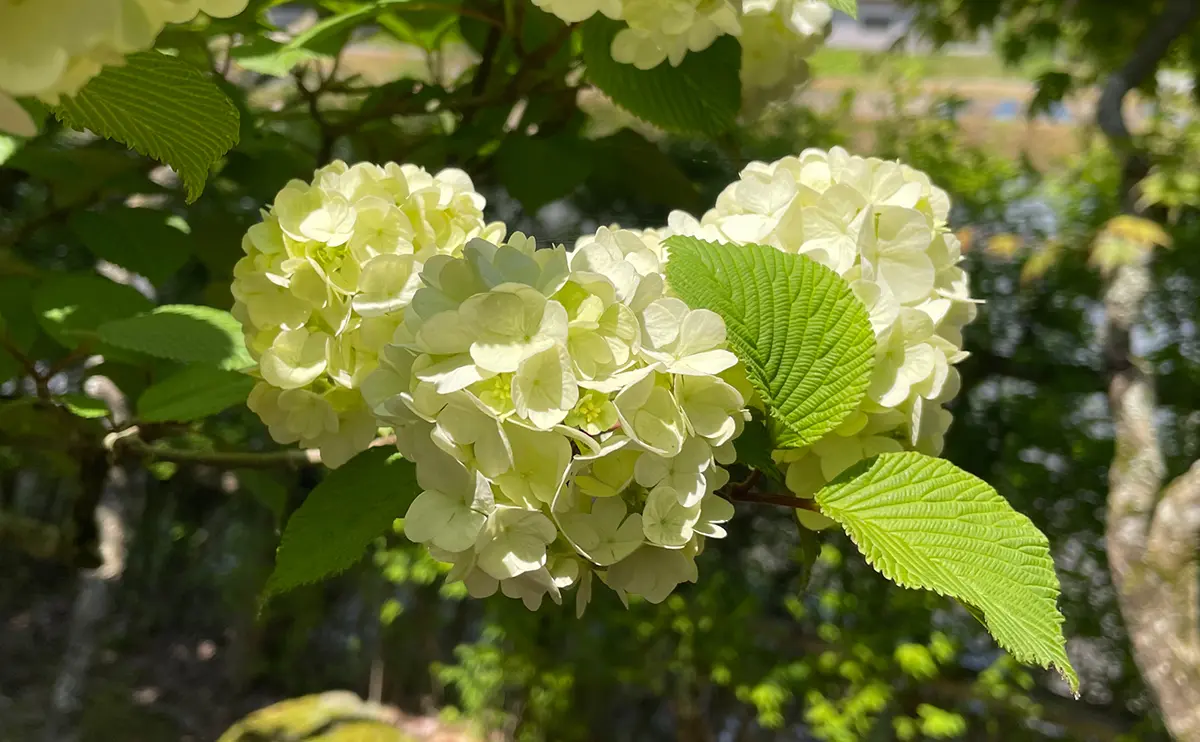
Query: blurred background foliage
789, 635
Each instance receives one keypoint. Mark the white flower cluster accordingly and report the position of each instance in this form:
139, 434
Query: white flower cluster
324, 283
881, 226
776, 35
50, 48
569, 418
566, 416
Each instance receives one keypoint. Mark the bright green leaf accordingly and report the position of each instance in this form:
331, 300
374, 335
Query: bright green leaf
71, 307
803, 335
139, 240
849, 7
702, 96
355, 504
193, 393
268, 57
182, 332
161, 107
81, 405
924, 523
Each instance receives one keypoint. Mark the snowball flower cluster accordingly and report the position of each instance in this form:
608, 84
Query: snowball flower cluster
51, 48
881, 226
324, 284
566, 415
776, 35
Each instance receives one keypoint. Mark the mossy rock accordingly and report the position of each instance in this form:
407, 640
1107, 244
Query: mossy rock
327, 717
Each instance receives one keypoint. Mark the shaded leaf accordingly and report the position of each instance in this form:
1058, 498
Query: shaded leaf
193, 393
161, 107
139, 240
702, 96
339, 519
182, 332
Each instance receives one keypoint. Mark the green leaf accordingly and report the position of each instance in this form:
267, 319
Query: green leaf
268, 57
804, 337
182, 332
139, 240
354, 505
849, 7
702, 96
753, 449
81, 405
71, 307
567, 163
161, 107
193, 393
18, 324
636, 167
924, 523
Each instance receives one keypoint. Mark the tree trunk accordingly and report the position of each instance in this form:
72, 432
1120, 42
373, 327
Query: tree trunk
1152, 533
116, 514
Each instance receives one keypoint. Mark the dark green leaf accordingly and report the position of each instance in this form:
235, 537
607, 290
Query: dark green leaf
538, 170
71, 307
702, 96
754, 448
139, 240
636, 167
193, 393
182, 332
354, 505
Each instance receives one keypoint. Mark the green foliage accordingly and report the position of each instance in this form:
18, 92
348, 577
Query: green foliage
849, 7
184, 333
348, 510
81, 405
193, 393
804, 337
72, 307
754, 448
163, 108
143, 241
924, 523
700, 97
337, 716
533, 186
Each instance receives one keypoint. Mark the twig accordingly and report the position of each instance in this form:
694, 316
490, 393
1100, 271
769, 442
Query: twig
746, 492
30, 367
131, 444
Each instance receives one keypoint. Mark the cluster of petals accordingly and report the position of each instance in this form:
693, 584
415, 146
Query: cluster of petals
569, 417
566, 415
882, 226
325, 281
51, 48
776, 35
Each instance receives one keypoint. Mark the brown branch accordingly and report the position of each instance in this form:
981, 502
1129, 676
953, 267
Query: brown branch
128, 442
747, 492
1173, 23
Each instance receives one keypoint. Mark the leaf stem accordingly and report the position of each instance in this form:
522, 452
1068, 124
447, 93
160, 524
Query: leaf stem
786, 501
